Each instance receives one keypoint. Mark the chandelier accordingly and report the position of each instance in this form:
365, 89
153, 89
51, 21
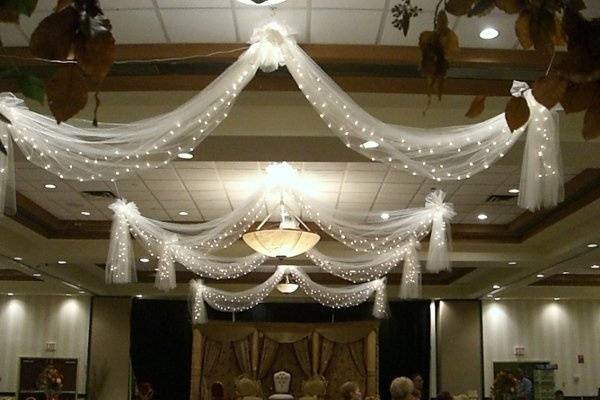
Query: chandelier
290, 239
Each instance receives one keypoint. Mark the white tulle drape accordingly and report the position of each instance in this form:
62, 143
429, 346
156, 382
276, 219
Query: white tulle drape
339, 297
410, 287
80, 152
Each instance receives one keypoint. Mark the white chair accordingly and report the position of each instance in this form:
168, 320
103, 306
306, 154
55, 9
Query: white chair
282, 382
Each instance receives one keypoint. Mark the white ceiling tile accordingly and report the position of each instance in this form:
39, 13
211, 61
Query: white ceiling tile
470, 199
236, 186
251, 165
37, 174
198, 174
28, 24
121, 4
323, 176
135, 196
148, 204
367, 166
400, 188
193, 3
352, 207
240, 175
325, 186
251, 18
134, 185
403, 177
365, 198
12, 36
374, 4
203, 185
468, 30
157, 213
344, 26
468, 189
192, 164
215, 195
385, 206
324, 166
212, 213
360, 187
22, 186
163, 185
88, 186
394, 198
168, 195
136, 26
180, 205
365, 176
158, 174
328, 197
199, 25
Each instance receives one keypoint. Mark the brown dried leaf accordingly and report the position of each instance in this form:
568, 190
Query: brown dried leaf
62, 4
441, 22
54, 36
459, 7
449, 41
95, 55
481, 8
67, 92
522, 30
9, 14
511, 6
577, 97
516, 113
477, 107
542, 29
591, 120
549, 89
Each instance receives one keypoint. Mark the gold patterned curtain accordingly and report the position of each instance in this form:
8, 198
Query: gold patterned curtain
212, 352
303, 355
241, 349
267, 356
357, 353
327, 347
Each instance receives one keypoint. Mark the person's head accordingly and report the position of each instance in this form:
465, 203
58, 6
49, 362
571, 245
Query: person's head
417, 381
520, 374
444, 396
559, 395
401, 388
350, 391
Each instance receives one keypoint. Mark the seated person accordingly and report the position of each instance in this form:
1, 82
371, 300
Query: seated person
559, 395
418, 382
402, 389
350, 391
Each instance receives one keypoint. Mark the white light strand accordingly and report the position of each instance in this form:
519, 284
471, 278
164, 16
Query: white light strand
340, 297
410, 287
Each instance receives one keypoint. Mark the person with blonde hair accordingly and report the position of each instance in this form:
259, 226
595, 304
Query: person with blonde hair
402, 388
350, 391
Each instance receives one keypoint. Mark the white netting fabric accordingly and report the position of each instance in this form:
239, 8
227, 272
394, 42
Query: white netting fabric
339, 297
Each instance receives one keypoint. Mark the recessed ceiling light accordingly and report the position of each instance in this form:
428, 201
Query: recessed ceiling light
10, 294
261, 3
482, 217
18, 258
36, 275
144, 260
50, 186
592, 245
566, 273
385, 216
556, 298
496, 298
86, 213
185, 156
513, 191
595, 266
371, 144
139, 296
496, 287
81, 292
488, 34
61, 262
512, 263
68, 295
540, 275
183, 213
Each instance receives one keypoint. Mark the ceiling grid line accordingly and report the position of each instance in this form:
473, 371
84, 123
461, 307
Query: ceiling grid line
384, 16
161, 21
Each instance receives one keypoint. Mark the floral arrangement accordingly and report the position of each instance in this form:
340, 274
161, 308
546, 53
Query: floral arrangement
505, 385
51, 382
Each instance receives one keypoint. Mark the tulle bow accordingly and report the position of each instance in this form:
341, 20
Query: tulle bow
436, 200
122, 207
8, 100
437, 259
518, 88
266, 45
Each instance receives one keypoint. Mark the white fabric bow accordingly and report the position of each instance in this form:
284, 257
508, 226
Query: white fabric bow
518, 88
266, 45
122, 207
437, 259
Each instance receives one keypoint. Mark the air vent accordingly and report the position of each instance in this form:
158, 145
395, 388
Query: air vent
497, 198
98, 194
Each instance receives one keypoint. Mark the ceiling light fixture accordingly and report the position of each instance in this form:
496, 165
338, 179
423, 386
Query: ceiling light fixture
512, 263
556, 298
139, 296
566, 273
86, 213
496, 287
36, 275
10, 294
513, 191
496, 298
482, 217
287, 287
185, 156
371, 144
61, 262
18, 258
540, 275
261, 3
488, 34
592, 245
50, 186
385, 216
595, 266
183, 213
144, 260
287, 240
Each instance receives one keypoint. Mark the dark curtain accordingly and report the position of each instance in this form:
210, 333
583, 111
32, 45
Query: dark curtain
161, 347
404, 347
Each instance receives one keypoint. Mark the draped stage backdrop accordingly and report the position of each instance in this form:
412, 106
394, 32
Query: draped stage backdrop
182, 362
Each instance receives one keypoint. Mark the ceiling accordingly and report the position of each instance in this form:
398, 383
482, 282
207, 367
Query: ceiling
511, 248
314, 21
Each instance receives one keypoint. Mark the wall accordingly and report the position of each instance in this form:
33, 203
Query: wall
555, 331
109, 348
459, 347
28, 322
